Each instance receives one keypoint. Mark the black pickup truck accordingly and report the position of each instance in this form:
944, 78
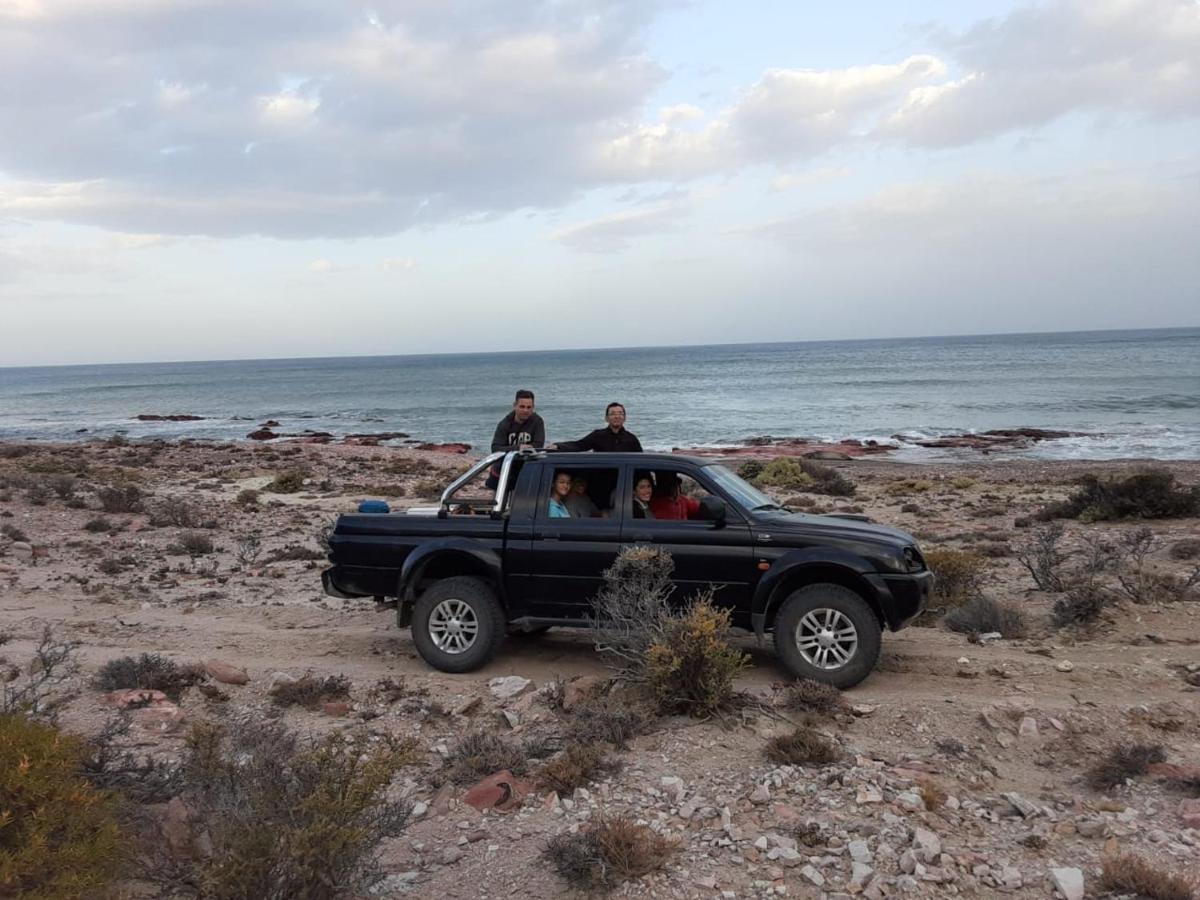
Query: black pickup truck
480, 566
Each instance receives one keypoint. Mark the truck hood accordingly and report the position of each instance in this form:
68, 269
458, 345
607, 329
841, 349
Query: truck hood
803, 524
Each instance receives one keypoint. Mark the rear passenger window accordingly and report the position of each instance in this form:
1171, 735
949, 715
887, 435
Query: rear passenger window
583, 493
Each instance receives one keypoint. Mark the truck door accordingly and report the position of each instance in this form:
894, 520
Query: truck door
705, 554
569, 555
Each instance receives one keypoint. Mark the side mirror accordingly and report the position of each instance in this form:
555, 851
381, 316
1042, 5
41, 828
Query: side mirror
712, 509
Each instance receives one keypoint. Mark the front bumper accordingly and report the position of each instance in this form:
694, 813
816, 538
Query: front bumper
910, 596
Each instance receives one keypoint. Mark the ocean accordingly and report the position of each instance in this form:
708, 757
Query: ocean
1132, 393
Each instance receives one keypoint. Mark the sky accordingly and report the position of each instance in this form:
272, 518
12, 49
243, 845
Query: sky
211, 179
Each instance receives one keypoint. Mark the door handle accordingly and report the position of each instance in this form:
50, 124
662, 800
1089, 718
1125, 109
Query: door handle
545, 537
645, 536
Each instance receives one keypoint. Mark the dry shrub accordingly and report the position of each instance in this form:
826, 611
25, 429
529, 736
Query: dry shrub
178, 512
613, 719
121, 499
1148, 494
98, 525
959, 574
59, 837
578, 765
292, 552
150, 671
1126, 873
691, 667
981, 615
1044, 559
614, 849
933, 794
962, 482
247, 499
290, 818
1081, 606
1123, 762
750, 469
1188, 548
310, 691
908, 486
195, 543
12, 532
802, 747
631, 607
287, 482
478, 754
809, 695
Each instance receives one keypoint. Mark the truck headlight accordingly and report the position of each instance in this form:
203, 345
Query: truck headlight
912, 560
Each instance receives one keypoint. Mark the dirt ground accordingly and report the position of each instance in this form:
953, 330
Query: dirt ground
1004, 730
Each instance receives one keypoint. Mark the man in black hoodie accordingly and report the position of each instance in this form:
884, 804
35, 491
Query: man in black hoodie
611, 439
520, 428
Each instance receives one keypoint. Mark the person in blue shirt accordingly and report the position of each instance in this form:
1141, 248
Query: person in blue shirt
559, 493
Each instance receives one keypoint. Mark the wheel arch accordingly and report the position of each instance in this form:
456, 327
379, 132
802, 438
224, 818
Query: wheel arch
446, 559
800, 570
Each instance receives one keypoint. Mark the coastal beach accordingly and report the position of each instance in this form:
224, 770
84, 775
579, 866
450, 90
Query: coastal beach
213, 553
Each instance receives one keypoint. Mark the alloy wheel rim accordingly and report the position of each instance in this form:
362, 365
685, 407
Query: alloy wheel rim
453, 626
826, 638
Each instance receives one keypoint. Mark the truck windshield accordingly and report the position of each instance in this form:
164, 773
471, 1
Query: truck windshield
743, 493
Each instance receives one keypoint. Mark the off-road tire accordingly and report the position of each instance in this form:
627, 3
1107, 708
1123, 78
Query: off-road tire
479, 604
816, 604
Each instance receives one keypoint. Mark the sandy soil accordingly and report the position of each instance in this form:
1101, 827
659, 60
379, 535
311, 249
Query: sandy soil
980, 720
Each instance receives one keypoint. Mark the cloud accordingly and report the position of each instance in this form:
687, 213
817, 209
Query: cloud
609, 234
1042, 62
306, 119
324, 266
309, 119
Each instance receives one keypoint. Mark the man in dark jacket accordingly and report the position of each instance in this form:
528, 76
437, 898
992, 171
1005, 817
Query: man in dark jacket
520, 428
611, 439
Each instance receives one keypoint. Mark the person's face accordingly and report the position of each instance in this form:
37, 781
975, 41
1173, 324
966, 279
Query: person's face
524, 409
562, 484
615, 417
579, 486
643, 489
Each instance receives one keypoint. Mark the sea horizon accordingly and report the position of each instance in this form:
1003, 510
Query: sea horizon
1127, 393
527, 350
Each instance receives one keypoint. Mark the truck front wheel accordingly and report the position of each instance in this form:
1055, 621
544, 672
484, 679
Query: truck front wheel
458, 624
828, 633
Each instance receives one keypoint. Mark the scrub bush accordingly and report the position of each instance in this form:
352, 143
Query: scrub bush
121, 499
287, 817
578, 765
802, 747
310, 691
784, 472
150, 671
981, 615
1123, 762
59, 837
1148, 494
287, 482
1127, 874
612, 850
691, 667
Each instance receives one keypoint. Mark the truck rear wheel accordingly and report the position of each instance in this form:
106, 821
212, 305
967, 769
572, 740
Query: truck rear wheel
458, 624
828, 633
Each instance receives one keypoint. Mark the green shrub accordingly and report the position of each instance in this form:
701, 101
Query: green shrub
784, 472
750, 469
691, 667
59, 837
1149, 494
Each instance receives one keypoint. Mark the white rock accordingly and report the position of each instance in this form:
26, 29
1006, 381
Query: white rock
813, 875
860, 873
908, 862
1065, 666
868, 793
990, 636
1028, 727
761, 795
860, 851
911, 801
1069, 881
674, 787
419, 809
928, 845
509, 686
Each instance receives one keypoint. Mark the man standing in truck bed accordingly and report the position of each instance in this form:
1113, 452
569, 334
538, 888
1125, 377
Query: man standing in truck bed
611, 439
520, 428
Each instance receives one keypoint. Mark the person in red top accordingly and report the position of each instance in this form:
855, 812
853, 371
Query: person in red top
668, 503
